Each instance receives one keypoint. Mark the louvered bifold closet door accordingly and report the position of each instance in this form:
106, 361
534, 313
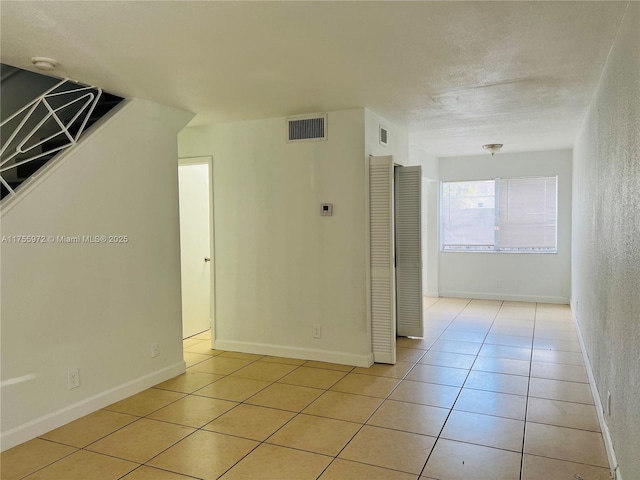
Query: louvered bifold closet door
383, 322
408, 229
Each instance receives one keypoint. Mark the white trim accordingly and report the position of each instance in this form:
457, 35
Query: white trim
431, 294
614, 467
504, 296
365, 360
46, 423
382, 357
197, 160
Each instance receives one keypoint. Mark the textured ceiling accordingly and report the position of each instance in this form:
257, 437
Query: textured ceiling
456, 74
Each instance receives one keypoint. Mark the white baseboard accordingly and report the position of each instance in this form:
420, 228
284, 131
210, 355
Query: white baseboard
432, 294
505, 296
51, 421
608, 443
344, 358
383, 358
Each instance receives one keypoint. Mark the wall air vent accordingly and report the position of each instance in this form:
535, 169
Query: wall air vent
384, 138
307, 128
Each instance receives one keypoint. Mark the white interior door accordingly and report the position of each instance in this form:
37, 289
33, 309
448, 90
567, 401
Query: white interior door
408, 190
381, 248
195, 247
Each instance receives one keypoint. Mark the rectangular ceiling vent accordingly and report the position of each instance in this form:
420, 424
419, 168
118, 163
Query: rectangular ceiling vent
307, 128
384, 139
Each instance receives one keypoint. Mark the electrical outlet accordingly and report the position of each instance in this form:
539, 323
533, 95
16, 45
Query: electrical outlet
154, 350
317, 331
499, 283
73, 378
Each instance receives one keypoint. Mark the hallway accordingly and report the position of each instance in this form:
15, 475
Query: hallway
495, 390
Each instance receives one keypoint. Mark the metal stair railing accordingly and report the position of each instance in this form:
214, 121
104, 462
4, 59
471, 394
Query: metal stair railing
86, 103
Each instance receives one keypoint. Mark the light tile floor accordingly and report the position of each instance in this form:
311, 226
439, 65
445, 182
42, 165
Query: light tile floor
495, 390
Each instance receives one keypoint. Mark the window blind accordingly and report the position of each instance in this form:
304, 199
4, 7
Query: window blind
468, 215
527, 214
509, 214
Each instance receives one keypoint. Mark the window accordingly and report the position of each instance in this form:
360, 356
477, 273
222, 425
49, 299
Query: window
468, 215
503, 215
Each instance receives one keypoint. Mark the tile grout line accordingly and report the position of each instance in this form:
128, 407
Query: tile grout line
158, 468
296, 414
324, 391
196, 429
85, 448
382, 403
461, 386
262, 442
526, 405
185, 395
55, 461
218, 416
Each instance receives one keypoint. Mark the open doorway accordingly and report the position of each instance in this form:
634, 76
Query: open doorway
196, 245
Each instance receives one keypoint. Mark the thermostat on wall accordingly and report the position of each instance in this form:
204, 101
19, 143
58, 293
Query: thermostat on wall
326, 209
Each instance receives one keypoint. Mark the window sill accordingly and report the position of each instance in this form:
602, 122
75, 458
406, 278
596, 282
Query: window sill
518, 252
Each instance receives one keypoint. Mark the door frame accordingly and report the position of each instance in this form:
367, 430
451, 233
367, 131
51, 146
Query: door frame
208, 160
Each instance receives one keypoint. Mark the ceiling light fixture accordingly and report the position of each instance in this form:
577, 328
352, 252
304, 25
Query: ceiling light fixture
44, 63
493, 148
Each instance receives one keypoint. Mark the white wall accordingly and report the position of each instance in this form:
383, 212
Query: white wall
430, 239
524, 276
430, 163
606, 240
280, 266
397, 138
96, 307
